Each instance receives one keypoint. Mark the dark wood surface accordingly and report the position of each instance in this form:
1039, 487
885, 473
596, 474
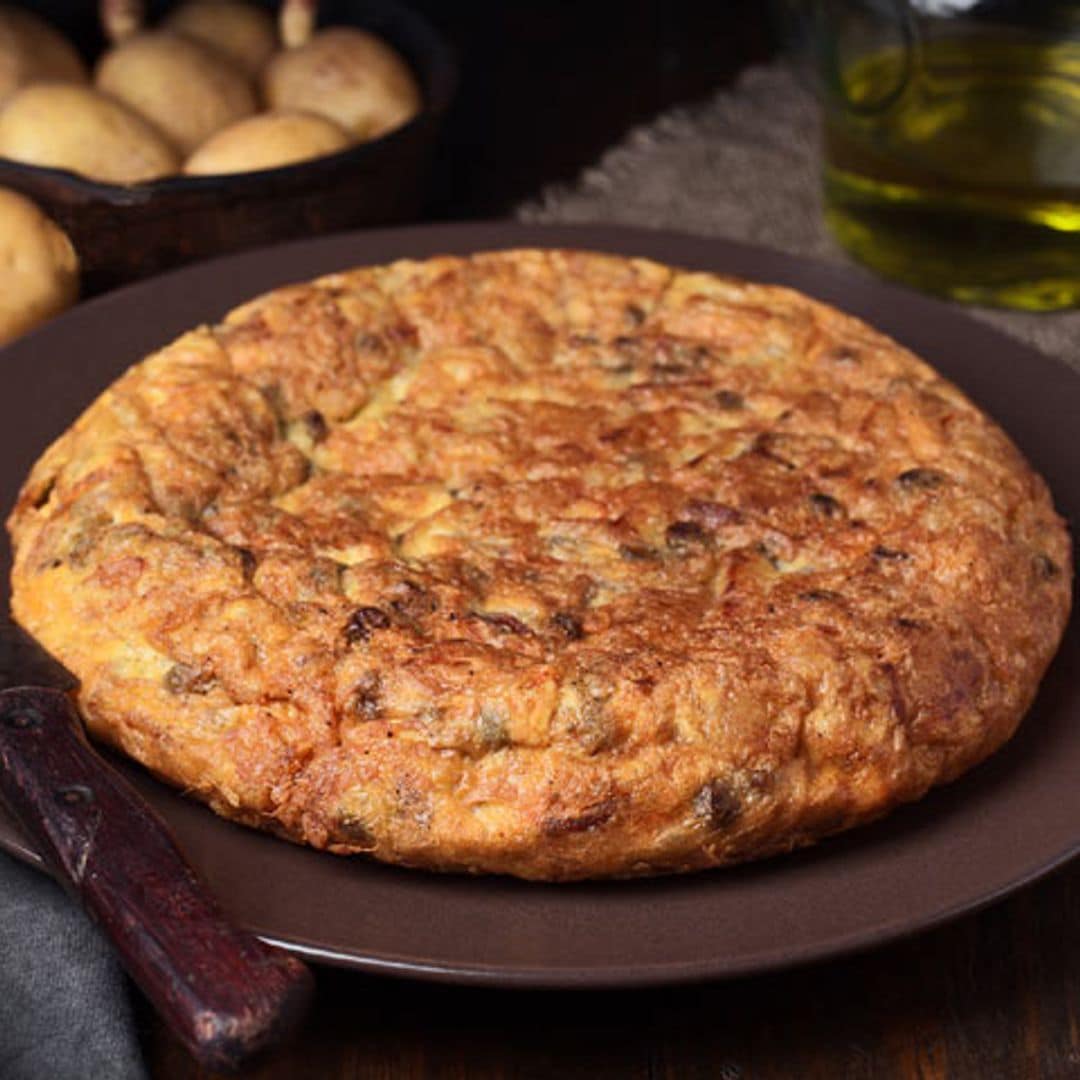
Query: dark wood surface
547, 86
994, 996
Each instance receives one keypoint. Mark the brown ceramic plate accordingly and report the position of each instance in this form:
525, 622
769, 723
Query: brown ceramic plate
1010, 821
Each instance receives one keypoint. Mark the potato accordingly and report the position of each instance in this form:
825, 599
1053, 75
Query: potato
267, 141
184, 88
348, 75
242, 32
66, 126
31, 50
39, 271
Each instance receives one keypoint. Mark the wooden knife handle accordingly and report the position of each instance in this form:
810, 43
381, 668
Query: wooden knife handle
225, 994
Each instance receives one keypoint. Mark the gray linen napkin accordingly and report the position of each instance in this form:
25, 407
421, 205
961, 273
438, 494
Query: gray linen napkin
745, 165
64, 1008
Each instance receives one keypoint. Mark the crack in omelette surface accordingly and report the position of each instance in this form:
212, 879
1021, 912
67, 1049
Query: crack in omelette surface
547, 563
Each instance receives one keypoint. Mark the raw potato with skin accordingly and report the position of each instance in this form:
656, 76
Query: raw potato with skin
348, 75
268, 141
39, 271
185, 89
64, 126
32, 51
243, 32
543, 563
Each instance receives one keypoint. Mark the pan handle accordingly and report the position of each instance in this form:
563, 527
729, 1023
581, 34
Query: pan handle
225, 994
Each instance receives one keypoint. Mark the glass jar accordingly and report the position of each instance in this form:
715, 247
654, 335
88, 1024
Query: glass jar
952, 142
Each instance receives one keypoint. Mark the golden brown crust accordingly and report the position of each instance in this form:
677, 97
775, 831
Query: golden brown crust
545, 563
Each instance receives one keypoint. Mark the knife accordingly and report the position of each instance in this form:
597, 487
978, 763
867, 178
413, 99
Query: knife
226, 995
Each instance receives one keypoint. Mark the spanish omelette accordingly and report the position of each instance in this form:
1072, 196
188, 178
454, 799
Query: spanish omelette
546, 563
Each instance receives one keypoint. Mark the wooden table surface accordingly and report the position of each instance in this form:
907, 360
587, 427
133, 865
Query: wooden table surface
547, 85
994, 995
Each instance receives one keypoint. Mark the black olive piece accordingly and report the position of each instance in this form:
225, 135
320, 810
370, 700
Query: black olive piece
248, 563
367, 697
569, 624
353, 831
820, 595
728, 399
363, 622
187, 679
890, 554
718, 805
45, 494
368, 342
589, 818
1046, 567
501, 620
826, 505
686, 534
768, 554
316, 425
669, 369
920, 479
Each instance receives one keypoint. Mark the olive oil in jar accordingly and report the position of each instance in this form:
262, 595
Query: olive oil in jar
958, 170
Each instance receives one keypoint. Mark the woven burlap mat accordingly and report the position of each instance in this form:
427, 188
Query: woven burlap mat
744, 164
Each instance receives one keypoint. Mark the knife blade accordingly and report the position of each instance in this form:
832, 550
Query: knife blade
226, 995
